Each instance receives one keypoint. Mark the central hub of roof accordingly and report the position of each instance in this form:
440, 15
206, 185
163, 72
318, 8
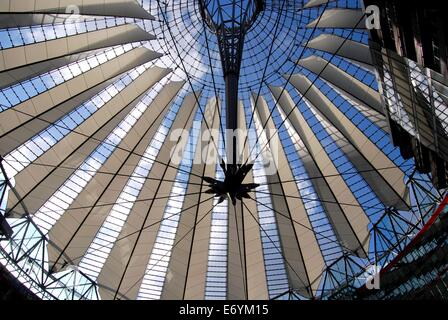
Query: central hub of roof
230, 15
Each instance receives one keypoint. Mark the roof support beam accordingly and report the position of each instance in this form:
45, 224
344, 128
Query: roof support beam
39, 105
118, 8
188, 263
246, 277
303, 259
348, 84
125, 278
25, 62
352, 227
39, 180
386, 180
340, 18
77, 227
357, 52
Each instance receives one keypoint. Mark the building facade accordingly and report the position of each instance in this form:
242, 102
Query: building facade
410, 53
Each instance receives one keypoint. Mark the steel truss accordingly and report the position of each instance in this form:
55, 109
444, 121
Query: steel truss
24, 255
391, 235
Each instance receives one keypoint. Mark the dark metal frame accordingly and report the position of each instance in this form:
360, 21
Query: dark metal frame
23, 254
390, 237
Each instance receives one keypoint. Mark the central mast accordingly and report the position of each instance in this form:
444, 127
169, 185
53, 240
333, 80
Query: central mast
230, 21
